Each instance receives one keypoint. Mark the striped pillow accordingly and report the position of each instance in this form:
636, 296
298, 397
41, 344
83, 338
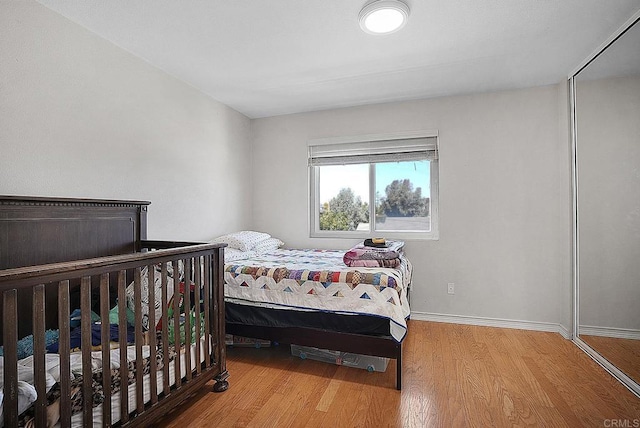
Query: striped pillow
244, 240
268, 245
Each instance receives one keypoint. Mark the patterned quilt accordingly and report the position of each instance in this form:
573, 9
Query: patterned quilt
319, 280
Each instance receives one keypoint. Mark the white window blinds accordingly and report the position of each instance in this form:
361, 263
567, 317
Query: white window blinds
390, 150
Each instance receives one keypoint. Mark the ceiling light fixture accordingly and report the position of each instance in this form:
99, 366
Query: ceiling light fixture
383, 16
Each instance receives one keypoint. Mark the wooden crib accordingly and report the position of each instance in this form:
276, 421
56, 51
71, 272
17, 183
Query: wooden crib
58, 255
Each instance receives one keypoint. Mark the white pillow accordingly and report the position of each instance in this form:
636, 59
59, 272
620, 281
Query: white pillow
243, 241
233, 254
268, 245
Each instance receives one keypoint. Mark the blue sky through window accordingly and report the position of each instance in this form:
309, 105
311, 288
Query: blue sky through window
416, 171
334, 178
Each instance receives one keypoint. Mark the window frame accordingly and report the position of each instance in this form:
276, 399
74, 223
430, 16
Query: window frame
314, 192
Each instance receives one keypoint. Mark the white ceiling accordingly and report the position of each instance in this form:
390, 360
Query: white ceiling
271, 57
620, 59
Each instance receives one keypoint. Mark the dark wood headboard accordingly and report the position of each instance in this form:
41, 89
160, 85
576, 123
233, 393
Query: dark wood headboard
40, 230
37, 230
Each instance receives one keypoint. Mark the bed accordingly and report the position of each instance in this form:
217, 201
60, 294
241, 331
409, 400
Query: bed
311, 298
68, 267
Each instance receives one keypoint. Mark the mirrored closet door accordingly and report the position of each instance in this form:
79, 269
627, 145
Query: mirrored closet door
606, 132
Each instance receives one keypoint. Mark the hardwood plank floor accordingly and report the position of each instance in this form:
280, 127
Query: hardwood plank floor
453, 376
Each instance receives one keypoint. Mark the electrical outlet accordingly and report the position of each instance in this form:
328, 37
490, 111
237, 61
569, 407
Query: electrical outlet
451, 288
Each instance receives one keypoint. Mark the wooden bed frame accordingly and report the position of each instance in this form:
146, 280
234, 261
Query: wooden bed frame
58, 254
325, 339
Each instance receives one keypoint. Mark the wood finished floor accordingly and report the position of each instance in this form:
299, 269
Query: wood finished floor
622, 353
454, 376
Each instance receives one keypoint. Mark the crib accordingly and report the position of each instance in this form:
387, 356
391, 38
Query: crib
162, 301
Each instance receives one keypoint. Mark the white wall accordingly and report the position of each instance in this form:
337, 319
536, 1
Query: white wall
80, 117
505, 222
608, 112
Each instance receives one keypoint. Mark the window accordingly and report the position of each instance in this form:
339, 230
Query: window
374, 186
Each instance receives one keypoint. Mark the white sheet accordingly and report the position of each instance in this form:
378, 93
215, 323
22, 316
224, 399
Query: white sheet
26, 391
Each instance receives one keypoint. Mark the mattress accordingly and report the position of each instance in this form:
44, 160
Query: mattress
241, 315
318, 280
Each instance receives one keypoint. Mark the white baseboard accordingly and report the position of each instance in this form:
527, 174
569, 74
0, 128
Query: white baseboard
618, 333
492, 322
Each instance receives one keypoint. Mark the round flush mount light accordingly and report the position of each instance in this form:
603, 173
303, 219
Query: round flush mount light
383, 16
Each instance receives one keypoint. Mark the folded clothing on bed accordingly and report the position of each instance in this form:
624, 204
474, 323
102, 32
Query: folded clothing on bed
365, 256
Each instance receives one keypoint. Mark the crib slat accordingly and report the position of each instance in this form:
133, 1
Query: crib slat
40, 406
198, 280
137, 302
176, 323
105, 339
187, 318
64, 347
153, 362
165, 329
218, 287
85, 331
10, 337
207, 312
122, 334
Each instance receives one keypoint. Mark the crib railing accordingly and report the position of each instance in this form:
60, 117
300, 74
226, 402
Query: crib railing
201, 314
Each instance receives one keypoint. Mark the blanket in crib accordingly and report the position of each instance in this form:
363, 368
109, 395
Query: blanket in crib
319, 280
